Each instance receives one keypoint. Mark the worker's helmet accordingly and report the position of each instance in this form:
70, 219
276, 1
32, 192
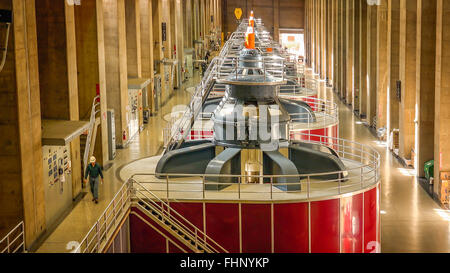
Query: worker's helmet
93, 160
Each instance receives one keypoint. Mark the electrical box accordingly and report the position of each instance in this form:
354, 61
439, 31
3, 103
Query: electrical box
189, 62
111, 134
157, 92
145, 104
57, 167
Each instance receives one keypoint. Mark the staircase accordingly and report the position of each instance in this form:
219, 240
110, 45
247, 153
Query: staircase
172, 222
180, 133
87, 140
133, 198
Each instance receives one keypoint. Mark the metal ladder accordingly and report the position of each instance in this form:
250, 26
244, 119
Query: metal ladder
92, 132
172, 221
201, 94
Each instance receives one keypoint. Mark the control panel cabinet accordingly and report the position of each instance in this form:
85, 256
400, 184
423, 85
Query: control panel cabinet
157, 92
57, 167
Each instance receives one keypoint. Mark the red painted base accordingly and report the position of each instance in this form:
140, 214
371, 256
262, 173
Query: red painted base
349, 224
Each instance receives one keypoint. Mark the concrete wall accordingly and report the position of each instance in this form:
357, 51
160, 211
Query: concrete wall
91, 71
275, 14
57, 56
60, 57
21, 182
52, 47
11, 208
399, 41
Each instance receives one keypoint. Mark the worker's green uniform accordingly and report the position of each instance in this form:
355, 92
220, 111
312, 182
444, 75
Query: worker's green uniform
94, 172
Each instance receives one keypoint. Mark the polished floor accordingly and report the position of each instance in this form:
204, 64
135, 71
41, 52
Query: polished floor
411, 221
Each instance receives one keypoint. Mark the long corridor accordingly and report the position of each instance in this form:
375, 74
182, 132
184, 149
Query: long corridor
77, 223
411, 221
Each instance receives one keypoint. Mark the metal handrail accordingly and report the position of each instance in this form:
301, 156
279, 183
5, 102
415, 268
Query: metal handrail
372, 154
305, 87
188, 227
190, 115
103, 229
326, 112
229, 67
107, 222
14, 245
161, 233
297, 90
87, 147
364, 174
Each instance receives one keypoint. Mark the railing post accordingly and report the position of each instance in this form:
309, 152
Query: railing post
130, 190
87, 246
308, 194
271, 188
236, 69
362, 154
114, 212
362, 177
105, 221
196, 240
339, 186
203, 187
23, 237
98, 237
167, 187
7, 245
239, 187
264, 66
375, 171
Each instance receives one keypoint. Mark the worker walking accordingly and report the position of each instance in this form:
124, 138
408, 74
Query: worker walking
94, 171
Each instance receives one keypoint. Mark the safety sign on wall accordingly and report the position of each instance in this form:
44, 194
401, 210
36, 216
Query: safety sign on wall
238, 13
